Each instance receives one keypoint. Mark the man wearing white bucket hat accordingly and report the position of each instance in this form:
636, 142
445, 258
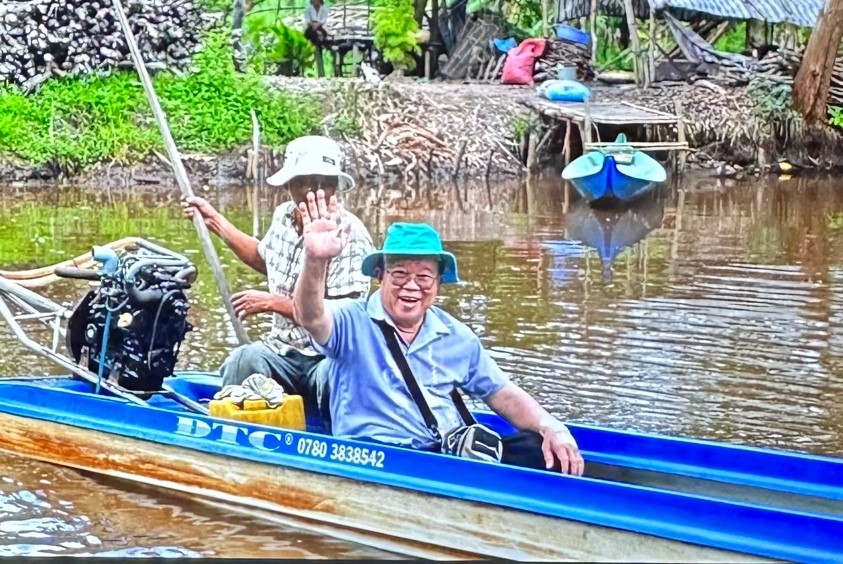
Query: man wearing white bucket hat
286, 353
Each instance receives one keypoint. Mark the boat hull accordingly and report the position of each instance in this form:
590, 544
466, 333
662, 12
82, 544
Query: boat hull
616, 173
611, 185
435, 502
400, 520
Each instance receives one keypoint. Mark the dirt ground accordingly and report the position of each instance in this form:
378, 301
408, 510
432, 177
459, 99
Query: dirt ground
409, 131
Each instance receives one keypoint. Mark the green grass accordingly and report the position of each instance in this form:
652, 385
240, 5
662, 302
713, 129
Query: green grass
73, 123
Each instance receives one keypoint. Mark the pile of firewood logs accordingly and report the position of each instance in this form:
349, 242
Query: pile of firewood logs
559, 53
780, 65
835, 91
44, 38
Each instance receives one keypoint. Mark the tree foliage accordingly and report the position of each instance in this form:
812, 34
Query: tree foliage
395, 28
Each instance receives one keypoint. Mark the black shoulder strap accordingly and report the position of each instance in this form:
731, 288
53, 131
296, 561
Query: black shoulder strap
462, 408
413, 386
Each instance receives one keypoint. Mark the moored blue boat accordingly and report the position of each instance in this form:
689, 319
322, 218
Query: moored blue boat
617, 172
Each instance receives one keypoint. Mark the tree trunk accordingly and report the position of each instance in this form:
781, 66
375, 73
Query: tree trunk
238, 12
810, 87
420, 8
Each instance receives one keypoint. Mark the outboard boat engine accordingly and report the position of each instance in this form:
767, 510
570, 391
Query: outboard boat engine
130, 328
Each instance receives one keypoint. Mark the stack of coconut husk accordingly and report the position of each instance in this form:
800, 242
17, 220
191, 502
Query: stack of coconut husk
44, 38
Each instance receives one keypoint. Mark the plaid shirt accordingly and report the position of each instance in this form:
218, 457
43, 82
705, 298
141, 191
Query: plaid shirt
282, 248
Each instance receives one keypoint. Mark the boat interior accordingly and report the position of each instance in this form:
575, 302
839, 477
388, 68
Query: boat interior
672, 463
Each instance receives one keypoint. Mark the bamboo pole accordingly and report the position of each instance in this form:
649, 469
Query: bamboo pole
181, 175
633, 41
566, 147
256, 156
651, 63
593, 25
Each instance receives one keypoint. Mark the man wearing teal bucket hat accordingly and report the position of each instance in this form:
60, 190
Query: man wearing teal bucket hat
394, 363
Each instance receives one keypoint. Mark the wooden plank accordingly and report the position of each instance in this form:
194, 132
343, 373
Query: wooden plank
649, 110
652, 146
622, 113
655, 120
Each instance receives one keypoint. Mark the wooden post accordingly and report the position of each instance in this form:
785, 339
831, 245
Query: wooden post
593, 26
532, 154
651, 67
355, 54
545, 11
434, 38
633, 40
680, 137
181, 175
566, 147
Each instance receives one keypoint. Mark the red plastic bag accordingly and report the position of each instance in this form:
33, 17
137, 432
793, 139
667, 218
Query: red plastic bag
518, 67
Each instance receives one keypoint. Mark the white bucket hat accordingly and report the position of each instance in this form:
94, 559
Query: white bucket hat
309, 155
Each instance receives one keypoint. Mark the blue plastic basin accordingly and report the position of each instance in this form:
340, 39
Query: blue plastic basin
570, 33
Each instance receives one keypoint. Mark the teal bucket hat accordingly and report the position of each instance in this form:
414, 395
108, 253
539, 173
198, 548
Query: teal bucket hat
413, 239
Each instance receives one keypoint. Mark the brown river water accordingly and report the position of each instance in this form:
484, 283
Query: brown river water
713, 311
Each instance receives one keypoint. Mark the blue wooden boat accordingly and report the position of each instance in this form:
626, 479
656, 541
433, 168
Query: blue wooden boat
617, 172
644, 497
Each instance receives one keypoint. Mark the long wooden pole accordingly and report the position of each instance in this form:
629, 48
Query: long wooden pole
181, 175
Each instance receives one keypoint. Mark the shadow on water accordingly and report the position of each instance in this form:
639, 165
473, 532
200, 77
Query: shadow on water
722, 317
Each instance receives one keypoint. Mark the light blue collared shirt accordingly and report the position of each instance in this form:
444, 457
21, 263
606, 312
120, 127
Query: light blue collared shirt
368, 396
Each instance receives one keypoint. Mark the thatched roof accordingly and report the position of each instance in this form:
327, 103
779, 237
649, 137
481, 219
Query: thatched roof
799, 12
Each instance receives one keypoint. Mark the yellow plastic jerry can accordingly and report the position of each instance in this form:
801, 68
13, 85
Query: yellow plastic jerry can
288, 415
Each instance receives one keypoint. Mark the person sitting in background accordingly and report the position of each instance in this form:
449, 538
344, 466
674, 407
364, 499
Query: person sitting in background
315, 18
286, 354
395, 361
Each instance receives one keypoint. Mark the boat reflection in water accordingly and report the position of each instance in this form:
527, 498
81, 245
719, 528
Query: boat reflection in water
609, 231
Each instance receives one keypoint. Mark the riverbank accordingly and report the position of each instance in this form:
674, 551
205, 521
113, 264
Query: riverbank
405, 130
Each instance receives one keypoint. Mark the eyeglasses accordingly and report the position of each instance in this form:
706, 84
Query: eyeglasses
402, 278
314, 183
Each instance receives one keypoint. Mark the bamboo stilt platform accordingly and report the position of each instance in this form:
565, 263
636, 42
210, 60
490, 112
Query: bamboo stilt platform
587, 116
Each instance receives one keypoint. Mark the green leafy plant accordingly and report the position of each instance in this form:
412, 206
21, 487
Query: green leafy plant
734, 40
395, 28
835, 116
773, 106
520, 125
526, 15
210, 109
273, 42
